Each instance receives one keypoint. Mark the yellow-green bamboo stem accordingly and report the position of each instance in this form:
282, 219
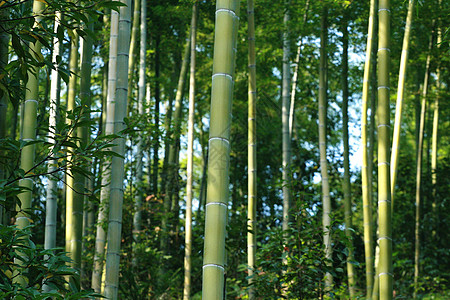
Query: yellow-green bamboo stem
137, 219
385, 269
286, 138
419, 168
190, 158
117, 166
326, 203
252, 185
28, 135
366, 186
400, 96
73, 66
100, 240
226, 26
346, 183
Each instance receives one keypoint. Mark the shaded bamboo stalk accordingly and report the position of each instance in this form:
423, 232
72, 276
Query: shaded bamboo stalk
137, 219
434, 144
28, 135
419, 168
286, 139
226, 26
346, 183
366, 185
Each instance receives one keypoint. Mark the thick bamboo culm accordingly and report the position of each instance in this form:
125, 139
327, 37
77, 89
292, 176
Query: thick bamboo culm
400, 97
100, 239
117, 166
366, 187
385, 271
252, 185
226, 26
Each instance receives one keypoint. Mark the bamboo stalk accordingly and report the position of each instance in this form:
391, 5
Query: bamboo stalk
419, 168
190, 158
137, 219
326, 211
286, 138
385, 269
346, 182
29, 134
400, 96
100, 240
117, 166
366, 186
226, 26
252, 183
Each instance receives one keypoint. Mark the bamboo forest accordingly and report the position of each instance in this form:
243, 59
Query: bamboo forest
257, 149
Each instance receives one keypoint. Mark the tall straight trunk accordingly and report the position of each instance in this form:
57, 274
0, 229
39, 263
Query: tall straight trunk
252, 185
286, 138
434, 137
385, 269
52, 189
365, 175
226, 27
28, 135
295, 75
100, 239
137, 219
172, 166
419, 168
400, 96
132, 60
326, 202
83, 134
117, 166
346, 183
190, 158
71, 190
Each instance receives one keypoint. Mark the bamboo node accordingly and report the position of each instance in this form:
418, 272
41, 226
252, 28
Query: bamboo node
223, 74
227, 11
214, 266
384, 238
216, 203
388, 274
